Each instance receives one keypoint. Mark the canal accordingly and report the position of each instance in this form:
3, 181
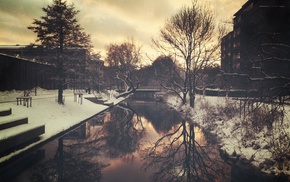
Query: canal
134, 141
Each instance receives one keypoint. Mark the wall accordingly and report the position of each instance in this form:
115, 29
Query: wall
22, 74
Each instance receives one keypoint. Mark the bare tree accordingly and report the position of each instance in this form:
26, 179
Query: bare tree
170, 76
190, 36
125, 57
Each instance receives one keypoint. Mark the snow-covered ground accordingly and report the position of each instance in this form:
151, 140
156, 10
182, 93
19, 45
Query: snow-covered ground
45, 110
268, 149
219, 115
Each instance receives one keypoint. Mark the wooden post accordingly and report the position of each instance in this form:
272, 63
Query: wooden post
75, 97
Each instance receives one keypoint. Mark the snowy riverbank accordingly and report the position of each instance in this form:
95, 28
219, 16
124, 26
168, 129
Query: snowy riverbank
45, 110
267, 148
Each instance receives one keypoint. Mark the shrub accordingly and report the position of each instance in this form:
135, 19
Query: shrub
229, 110
265, 116
280, 147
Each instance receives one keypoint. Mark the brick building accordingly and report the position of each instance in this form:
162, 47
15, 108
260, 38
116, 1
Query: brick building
257, 51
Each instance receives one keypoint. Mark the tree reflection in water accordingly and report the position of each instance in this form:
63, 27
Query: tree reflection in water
76, 160
123, 132
66, 166
178, 157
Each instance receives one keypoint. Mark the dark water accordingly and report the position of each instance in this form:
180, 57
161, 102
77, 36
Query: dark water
131, 142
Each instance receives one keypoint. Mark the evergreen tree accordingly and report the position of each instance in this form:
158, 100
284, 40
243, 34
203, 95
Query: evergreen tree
58, 30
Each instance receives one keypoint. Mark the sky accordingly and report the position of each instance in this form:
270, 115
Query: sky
107, 21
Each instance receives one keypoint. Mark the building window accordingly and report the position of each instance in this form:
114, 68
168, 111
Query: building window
237, 32
237, 19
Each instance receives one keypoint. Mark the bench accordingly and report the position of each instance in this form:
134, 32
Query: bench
18, 135
27, 101
11, 121
5, 111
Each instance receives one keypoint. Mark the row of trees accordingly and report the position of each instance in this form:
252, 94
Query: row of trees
186, 38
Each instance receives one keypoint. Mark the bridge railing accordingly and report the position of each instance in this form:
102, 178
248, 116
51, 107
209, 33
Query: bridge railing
156, 87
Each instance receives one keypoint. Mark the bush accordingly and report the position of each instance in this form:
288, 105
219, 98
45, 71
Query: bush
229, 110
281, 148
265, 116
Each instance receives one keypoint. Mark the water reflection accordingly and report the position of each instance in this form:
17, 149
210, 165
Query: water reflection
120, 144
67, 166
123, 132
177, 156
161, 118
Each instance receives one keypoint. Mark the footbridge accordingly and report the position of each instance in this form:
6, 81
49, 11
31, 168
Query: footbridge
148, 92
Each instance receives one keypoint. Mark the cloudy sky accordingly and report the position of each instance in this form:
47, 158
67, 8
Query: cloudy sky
108, 21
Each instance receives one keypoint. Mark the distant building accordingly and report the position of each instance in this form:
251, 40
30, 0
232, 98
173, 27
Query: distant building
95, 76
75, 61
227, 53
259, 45
23, 74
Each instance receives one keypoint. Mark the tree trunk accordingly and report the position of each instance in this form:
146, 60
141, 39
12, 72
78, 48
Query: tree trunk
60, 93
60, 66
184, 98
191, 101
60, 80
192, 90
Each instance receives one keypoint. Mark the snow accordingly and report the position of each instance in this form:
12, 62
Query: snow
256, 147
9, 119
11, 132
235, 137
45, 110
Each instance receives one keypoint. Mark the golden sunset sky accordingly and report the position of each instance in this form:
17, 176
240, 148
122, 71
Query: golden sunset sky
108, 21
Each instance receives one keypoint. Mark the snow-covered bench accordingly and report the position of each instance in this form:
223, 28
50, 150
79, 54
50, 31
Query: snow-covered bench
5, 111
11, 121
19, 135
